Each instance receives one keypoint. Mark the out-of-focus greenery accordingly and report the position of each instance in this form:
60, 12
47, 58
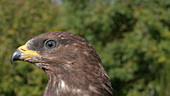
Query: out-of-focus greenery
132, 38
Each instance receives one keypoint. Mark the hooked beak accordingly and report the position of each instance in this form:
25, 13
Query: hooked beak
22, 53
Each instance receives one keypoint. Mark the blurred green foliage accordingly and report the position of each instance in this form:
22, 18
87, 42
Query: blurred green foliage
132, 38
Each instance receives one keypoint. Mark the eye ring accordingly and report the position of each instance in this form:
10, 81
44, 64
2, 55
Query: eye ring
50, 44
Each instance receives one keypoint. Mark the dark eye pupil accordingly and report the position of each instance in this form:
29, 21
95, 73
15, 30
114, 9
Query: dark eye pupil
50, 44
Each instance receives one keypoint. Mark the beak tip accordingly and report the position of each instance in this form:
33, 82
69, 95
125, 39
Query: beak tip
11, 62
16, 56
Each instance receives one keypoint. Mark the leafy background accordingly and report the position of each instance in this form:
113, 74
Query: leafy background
132, 38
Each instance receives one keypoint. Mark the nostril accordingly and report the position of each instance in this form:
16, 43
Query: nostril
23, 49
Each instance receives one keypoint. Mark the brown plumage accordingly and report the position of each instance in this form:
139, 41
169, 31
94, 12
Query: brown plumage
72, 65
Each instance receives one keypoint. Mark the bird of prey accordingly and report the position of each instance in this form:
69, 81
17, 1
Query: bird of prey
72, 65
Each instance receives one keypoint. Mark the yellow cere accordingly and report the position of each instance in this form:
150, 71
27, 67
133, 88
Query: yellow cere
27, 53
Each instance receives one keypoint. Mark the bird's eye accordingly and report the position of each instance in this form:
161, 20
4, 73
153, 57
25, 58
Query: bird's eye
50, 44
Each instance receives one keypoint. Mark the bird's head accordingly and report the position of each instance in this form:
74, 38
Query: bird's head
54, 49
72, 65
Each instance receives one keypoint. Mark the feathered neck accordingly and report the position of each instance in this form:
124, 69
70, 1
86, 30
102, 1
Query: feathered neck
88, 81
61, 85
